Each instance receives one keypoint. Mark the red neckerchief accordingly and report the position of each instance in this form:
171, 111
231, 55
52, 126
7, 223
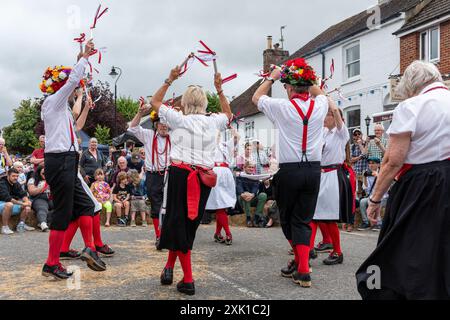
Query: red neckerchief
156, 153
302, 96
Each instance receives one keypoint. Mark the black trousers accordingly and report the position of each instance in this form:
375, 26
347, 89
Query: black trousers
69, 198
296, 188
155, 191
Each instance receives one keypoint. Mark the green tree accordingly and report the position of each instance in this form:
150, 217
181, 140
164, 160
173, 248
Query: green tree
127, 107
213, 103
20, 136
103, 134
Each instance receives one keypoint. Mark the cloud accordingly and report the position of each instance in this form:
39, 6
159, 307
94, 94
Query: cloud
146, 38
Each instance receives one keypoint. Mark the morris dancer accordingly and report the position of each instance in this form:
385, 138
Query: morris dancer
296, 185
413, 251
61, 167
190, 174
336, 197
223, 195
157, 150
104, 249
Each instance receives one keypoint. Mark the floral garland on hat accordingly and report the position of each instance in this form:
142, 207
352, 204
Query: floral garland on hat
54, 79
297, 72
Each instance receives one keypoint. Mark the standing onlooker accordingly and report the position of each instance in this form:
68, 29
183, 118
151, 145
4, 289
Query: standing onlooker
260, 158
37, 157
247, 191
102, 192
359, 159
137, 188
378, 145
135, 162
13, 201
242, 159
90, 161
121, 196
39, 191
130, 144
5, 159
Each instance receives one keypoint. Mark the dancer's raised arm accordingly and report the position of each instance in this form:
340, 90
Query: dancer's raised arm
226, 109
158, 97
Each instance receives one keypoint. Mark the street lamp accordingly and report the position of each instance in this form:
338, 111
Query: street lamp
114, 74
368, 121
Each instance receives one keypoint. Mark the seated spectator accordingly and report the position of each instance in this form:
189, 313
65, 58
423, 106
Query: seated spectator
13, 201
142, 153
121, 197
37, 157
102, 192
370, 179
135, 162
91, 160
247, 192
5, 159
138, 203
40, 195
265, 187
122, 166
22, 176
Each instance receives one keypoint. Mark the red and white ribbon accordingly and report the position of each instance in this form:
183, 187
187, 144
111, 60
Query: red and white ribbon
98, 15
141, 102
227, 79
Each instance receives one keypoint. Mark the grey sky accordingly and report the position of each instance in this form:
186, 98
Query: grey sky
147, 38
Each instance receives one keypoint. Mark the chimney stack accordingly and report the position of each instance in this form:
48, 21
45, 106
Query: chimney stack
273, 56
269, 42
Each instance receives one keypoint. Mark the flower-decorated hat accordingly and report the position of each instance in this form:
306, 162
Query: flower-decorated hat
54, 79
297, 72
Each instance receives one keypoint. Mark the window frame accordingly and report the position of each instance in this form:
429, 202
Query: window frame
427, 45
347, 64
346, 115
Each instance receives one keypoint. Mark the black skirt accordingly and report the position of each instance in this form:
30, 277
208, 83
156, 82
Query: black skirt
178, 231
413, 252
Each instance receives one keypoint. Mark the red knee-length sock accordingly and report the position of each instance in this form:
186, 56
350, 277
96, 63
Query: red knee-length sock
313, 226
303, 254
223, 217
68, 236
86, 228
333, 229
156, 226
96, 231
296, 257
218, 223
172, 258
185, 260
55, 241
323, 226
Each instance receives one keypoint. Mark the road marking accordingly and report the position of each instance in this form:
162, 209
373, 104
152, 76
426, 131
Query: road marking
364, 235
245, 291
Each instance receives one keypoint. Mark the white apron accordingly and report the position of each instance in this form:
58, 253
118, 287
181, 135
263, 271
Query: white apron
328, 202
223, 195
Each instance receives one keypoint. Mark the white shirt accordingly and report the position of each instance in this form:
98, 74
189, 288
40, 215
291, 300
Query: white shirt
224, 152
427, 118
334, 147
57, 115
290, 125
193, 136
146, 136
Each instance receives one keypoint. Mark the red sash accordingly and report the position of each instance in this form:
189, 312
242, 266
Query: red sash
305, 125
193, 189
406, 167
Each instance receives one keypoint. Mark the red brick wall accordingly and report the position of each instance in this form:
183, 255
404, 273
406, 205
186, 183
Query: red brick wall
445, 48
410, 49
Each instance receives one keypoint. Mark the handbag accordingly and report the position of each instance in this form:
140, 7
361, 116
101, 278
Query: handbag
208, 177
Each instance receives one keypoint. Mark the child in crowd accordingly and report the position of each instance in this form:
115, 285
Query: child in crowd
102, 192
138, 203
22, 176
121, 197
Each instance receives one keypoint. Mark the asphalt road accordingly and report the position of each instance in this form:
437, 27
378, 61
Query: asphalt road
247, 270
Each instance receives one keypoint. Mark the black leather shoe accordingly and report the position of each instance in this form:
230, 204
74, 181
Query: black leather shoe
167, 277
92, 260
218, 238
105, 250
313, 254
289, 270
71, 255
229, 240
324, 247
57, 272
186, 288
302, 279
157, 242
334, 259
